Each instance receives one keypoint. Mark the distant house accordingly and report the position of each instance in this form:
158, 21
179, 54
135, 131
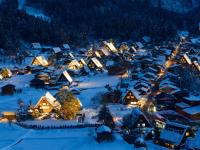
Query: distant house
104, 133
6, 73
65, 77
141, 84
74, 65
95, 64
40, 61
36, 46
139, 119
196, 67
66, 46
8, 89
174, 135
57, 50
131, 97
185, 60
192, 100
193, 143
138, 45
37, 83
192, 112
8, 115
96, 54
82, 62
1, 77
103, 52
146, 39
169, 88
47, 103
110, 46
165, 99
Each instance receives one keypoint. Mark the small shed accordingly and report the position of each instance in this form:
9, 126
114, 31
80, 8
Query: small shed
104, 133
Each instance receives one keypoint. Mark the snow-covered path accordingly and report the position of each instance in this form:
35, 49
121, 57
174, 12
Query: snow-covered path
65, 139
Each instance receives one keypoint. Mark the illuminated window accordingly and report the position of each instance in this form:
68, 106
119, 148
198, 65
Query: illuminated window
187, 133
44, 104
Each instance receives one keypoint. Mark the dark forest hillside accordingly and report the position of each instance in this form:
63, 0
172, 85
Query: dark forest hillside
76, 21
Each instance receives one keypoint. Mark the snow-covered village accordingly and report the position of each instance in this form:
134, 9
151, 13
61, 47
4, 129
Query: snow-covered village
140, 94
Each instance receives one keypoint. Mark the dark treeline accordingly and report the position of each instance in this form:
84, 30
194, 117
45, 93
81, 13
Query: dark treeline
76, 21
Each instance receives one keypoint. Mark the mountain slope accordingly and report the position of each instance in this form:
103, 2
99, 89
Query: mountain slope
77, 21
180, 6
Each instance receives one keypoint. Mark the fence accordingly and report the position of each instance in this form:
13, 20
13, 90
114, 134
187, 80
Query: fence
78, 126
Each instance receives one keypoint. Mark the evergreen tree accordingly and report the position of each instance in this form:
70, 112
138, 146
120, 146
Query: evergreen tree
106, 117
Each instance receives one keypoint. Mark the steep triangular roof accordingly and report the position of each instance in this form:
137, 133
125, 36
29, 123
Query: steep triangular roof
96, 62
185, 56
57, 50
50, 98
83, 61
66, 46
173, 133
36, 45
41, 59
67, 76
111, 46
105, 52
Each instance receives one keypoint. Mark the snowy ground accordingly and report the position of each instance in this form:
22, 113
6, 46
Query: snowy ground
17, 138
69, 139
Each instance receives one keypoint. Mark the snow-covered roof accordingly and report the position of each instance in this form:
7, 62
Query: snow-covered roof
182, 105
1, 77
136, 112
173, 133
195, 40
56, 49
66, 46
187, 59
105, 52
152, 75
50, 98
111, 46
67, 76
97, 54
71, 55
97, 62
133, 48
192, 110
193, 143
146, 38
103, 129
42, 60
36, 45
83, 61
142, 84
139, 44
166, 82
144, 89
74, 63
193, 98
196, 64
136, 94
183, 33
169, 86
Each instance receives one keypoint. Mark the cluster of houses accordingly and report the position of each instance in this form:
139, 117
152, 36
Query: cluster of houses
151, 76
